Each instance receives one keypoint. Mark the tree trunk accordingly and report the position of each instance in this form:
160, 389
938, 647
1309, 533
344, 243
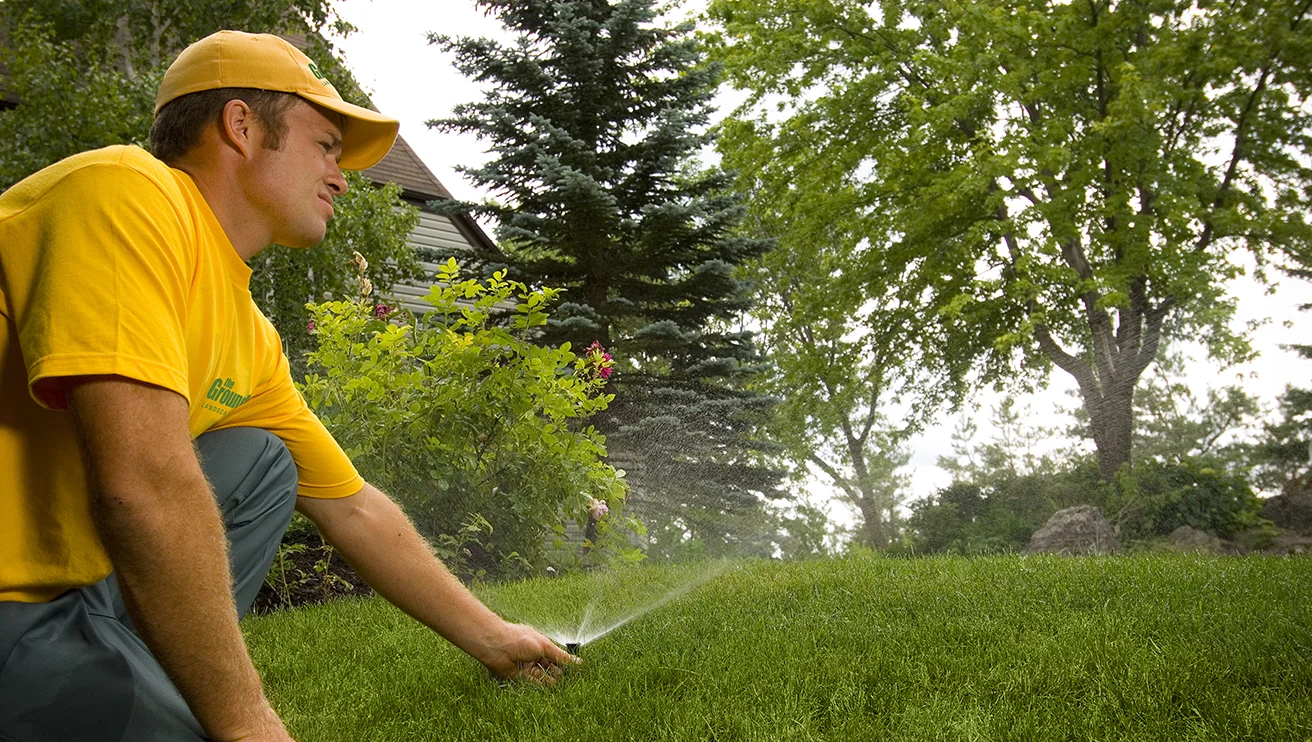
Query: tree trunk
873, 531
1107, 376
596, 291
1111, 419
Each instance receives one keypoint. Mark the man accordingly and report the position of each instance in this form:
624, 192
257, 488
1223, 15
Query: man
129, 332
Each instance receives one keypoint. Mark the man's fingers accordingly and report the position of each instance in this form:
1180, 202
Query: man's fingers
537, 674
545, 668
559, 656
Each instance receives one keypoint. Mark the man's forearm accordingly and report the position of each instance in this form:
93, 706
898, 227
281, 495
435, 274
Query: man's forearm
382, 546
160, 526
170, 558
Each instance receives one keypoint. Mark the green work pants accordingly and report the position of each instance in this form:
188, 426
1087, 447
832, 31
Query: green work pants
74, 670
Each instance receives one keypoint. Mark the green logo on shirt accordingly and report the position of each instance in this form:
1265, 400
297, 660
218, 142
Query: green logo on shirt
221, 392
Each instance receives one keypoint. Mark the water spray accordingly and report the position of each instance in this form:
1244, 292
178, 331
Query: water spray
588, 629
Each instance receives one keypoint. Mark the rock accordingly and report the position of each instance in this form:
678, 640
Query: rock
1082, 529
1291, 512
1289, 544
1190, 539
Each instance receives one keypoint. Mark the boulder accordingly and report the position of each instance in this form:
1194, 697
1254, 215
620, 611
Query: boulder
1289, 544
1190, 539
1291, 512
1082, 529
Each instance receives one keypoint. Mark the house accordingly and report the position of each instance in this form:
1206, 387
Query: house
436, 237
7, 99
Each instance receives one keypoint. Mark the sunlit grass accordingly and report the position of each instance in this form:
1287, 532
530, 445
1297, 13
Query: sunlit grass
1005, 648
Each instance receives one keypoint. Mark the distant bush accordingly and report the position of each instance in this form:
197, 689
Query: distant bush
1282, 456
1156, 498
966, 518
476, 431
1150, 501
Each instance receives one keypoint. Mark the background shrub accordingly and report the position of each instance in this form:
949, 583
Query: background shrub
480, 434
1161, 497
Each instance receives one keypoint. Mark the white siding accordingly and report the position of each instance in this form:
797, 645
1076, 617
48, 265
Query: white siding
439, 234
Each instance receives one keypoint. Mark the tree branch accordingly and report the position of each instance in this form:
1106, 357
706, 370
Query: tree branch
1070, 364
870, 416
1129, 335
903, 71
1152, 335
1028, 194
857, 451
1236, 156
839, 480
1100, 323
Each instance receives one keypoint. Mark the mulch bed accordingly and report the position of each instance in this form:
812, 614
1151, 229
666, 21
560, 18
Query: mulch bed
309, 573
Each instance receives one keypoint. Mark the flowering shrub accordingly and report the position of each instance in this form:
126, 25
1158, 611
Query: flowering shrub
475, 430
603, 363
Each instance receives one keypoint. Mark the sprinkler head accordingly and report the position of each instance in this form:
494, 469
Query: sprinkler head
572, 648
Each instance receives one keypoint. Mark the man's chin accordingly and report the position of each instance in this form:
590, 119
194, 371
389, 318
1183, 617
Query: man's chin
301, 242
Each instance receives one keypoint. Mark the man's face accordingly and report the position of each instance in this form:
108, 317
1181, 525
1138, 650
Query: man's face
292, 188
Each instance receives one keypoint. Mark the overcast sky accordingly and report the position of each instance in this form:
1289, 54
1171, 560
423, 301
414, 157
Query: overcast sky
415, 82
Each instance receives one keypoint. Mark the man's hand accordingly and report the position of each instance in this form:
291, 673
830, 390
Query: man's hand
518, 652
381, 545
268, 728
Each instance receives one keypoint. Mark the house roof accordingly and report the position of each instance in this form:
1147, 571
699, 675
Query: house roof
404, 168
7, 99
419, 186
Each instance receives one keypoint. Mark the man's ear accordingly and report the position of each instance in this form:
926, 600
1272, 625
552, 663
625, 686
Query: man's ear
237, 127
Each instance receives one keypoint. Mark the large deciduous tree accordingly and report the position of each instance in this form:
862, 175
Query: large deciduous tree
594, 115
857, 371
1072, 182
85, 73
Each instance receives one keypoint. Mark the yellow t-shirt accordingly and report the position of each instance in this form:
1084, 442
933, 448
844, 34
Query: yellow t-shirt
111, 262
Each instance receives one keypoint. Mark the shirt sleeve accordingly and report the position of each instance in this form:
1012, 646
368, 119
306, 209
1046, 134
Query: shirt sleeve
322, 468
103, 288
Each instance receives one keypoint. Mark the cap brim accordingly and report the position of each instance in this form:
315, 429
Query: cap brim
368, 135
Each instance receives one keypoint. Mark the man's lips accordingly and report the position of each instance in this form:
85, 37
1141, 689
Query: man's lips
328, 201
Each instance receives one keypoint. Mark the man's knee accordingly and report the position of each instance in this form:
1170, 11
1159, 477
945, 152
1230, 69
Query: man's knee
252, 473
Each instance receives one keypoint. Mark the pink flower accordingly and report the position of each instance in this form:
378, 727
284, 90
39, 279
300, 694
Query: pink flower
597, 509
310, 327
599, 362
381, 311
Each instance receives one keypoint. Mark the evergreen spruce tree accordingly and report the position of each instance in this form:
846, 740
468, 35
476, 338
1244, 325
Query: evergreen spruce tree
594, 116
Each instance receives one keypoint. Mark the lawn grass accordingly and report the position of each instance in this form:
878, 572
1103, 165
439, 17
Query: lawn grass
864, 648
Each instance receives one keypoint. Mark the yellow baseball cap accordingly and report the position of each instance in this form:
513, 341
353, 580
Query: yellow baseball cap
235, 59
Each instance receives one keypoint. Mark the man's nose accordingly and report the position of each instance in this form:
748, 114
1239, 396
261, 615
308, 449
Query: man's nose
336, 181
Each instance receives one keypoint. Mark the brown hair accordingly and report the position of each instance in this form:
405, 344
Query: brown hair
179, 124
